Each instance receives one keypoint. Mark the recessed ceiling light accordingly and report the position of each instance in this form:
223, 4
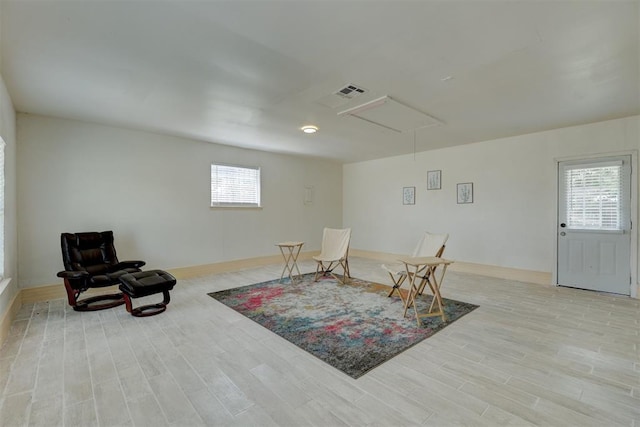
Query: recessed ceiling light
309, 129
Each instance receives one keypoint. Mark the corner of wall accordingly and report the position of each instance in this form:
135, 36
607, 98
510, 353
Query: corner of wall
9, 293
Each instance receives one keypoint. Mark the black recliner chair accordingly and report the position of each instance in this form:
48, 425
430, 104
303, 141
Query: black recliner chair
90, 261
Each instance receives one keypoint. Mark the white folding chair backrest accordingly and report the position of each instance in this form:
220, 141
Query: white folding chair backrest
430, 244
335, 243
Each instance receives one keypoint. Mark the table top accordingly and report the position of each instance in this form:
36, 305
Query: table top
290, 244
428, 260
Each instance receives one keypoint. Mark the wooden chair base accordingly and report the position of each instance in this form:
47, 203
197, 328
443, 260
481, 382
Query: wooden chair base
95, 303
397, 283
147, 310
324, 270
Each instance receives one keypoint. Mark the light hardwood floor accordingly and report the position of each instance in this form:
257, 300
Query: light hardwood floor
530, 355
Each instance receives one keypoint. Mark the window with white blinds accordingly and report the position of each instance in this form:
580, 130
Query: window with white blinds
235, 186
597, 196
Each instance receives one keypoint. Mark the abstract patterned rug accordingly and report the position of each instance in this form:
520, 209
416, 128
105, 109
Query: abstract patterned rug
353, 327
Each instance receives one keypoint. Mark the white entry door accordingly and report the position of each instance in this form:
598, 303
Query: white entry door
594, 224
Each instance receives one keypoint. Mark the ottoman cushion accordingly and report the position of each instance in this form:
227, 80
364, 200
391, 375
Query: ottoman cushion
146, 283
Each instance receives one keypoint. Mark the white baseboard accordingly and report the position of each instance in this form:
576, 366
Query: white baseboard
529, 276
7, 317
56, 291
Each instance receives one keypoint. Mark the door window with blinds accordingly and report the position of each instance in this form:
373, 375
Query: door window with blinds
596, 195
235, 186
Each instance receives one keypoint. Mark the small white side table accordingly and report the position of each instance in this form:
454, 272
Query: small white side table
290, 252
424, 268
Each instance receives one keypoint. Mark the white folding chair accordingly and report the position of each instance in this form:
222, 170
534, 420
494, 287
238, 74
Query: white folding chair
334, 253
430, 245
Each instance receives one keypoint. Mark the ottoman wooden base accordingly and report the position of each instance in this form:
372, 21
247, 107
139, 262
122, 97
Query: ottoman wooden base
145, 283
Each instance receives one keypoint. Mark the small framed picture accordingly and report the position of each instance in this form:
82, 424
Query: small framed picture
433, 180
465, 192
409, 195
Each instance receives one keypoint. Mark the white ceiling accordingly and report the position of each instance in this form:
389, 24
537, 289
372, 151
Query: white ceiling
251, 73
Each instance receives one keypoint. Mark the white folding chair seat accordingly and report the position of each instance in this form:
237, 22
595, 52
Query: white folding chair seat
334, 253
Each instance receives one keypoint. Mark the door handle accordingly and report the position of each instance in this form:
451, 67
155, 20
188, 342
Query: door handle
563, 233
563, 225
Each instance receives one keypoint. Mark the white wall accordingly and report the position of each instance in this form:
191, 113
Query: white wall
154, 192
156, 197
512, 220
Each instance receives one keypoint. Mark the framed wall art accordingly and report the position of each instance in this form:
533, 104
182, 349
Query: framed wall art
433, 180
465, 192
409, 195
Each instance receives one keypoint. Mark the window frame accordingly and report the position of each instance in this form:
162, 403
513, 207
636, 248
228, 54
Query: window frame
237, 204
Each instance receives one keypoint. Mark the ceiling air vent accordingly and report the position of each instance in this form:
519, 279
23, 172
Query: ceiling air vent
342, 96
350, 91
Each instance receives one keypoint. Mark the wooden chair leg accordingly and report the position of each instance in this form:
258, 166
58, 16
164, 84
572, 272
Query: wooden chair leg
325, 270
397, 283
345, 272
320, 270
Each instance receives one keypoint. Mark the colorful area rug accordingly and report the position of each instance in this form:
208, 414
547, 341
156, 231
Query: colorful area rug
353, 327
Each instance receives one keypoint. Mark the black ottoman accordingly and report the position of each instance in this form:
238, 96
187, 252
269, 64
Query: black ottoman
145, 283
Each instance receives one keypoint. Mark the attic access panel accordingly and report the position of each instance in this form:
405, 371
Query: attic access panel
391, 114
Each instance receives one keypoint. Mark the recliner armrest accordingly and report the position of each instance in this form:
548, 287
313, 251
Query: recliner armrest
73, 274
130, 264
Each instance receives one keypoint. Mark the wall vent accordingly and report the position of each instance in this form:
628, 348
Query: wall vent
350, 91
342, 96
